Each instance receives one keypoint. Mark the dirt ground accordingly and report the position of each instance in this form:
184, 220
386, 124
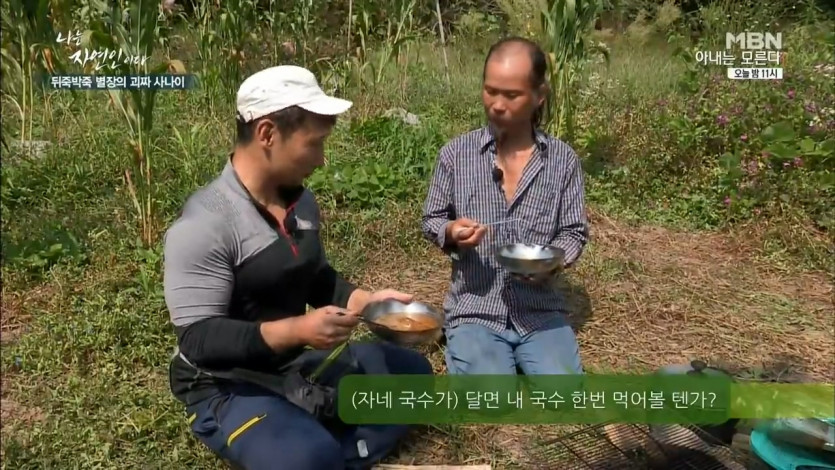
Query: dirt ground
641, 298
647, 297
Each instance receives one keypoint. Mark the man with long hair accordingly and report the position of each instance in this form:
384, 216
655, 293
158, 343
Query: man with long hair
508, 170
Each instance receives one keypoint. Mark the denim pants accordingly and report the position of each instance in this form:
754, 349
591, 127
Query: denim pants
257, 430
475, 349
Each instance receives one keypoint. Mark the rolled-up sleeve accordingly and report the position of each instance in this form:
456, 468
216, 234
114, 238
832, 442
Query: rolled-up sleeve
438, 209
573, 227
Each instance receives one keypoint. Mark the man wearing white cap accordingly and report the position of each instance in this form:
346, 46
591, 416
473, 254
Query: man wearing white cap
242, 263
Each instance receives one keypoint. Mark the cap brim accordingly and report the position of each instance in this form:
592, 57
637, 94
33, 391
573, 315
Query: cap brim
327, 105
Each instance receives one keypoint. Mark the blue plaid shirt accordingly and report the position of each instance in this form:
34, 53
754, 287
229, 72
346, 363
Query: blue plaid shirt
549, 203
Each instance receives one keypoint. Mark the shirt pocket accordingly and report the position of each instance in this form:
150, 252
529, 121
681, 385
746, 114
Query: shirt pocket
538, 211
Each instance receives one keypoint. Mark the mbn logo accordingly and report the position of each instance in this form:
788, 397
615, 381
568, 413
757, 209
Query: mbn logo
754, 41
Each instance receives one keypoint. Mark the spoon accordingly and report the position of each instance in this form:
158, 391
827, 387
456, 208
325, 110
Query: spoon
361, 318
369, 322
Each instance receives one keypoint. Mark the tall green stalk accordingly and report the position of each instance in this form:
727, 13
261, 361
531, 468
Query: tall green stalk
209, 70
327, 362
236, 24
566, 28
134, 27
27, 51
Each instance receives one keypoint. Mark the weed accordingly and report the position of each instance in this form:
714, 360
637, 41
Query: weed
566, 27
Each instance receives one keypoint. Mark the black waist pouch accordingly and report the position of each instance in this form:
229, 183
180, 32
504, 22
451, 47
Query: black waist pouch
291, 381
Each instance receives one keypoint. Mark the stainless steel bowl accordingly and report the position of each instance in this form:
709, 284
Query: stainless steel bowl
375, 311
528, 260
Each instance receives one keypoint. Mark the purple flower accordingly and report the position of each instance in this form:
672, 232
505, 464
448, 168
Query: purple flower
798, 162
810, 107
744, 137
727, 200
790, 94
722, 120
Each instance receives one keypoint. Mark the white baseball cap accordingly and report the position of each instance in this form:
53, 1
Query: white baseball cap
277, 88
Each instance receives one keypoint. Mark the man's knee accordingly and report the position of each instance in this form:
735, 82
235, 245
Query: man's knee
478, 366
305, 451
473, 349
385, 358
257, 431
551, 351
407, 361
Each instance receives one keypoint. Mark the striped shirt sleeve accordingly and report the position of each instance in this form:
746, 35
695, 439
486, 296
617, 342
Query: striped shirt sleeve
573, 228
438, 209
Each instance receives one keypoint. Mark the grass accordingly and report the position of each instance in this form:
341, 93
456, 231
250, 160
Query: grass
85, 333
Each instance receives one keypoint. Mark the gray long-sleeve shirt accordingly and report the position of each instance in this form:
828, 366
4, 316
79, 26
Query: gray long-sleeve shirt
230, 266
549, 201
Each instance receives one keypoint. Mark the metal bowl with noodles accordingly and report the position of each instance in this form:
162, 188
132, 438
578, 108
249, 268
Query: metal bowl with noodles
404, 324
529, 260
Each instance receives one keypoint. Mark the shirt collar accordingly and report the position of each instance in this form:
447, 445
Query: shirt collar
487, 140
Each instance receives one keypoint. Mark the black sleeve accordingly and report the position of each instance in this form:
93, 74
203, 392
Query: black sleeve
222, 342
329, 287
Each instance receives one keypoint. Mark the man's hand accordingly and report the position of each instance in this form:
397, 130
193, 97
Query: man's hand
326, 327
390, 294
360, 298
465, 233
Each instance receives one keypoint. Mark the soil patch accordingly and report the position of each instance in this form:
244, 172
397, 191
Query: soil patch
654, 297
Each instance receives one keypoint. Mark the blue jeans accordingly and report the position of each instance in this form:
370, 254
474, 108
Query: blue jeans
257, 430
475, 349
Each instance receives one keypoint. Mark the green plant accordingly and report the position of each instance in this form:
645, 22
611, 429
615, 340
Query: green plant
522, 16
397, 32
715, 152
301, 21
134, 30
397, 164
566, 26
38, 262
228, 36
28, 51
736, 16
686, 54
314, 376
236, 25
210, 70
474, 23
